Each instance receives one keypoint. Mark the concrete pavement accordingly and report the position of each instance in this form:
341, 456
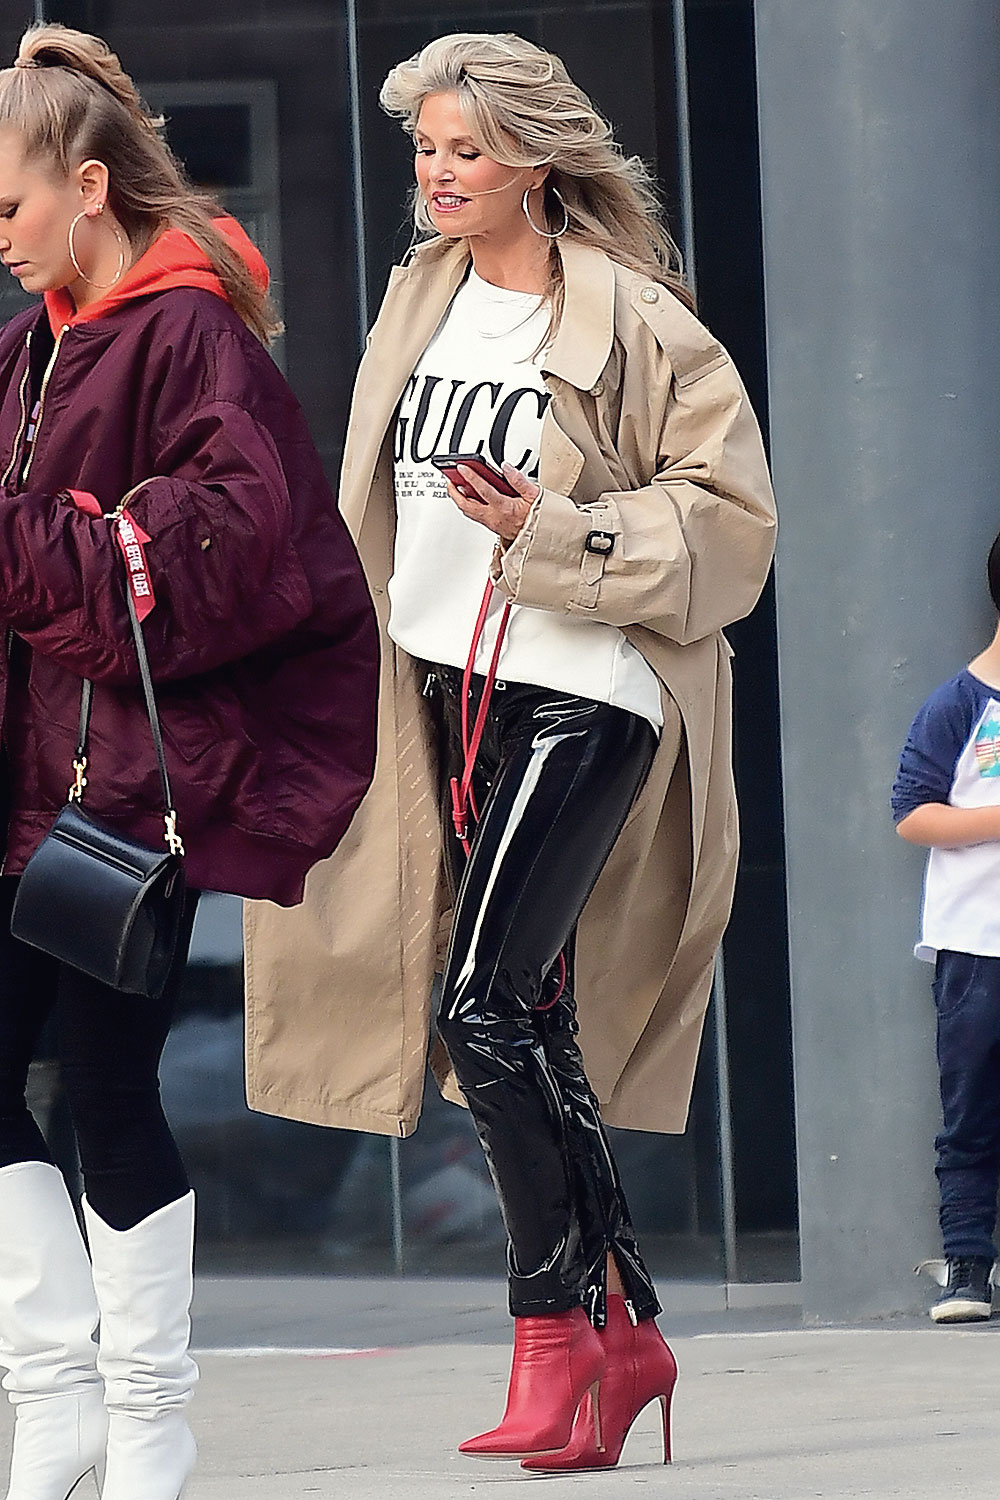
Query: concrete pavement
362, 1389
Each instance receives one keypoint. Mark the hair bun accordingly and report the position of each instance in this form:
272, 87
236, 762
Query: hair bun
49, 44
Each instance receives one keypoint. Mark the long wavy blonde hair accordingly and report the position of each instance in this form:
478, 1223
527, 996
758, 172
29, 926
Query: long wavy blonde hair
70, 99
523, 109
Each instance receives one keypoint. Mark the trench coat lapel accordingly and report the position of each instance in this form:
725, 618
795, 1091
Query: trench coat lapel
582, 346
415, 302
577, 356
560, 460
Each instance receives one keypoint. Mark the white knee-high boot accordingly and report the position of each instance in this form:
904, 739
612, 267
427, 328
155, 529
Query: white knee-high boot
48, 1314
143, 1279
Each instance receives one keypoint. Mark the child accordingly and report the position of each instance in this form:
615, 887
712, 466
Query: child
947, 797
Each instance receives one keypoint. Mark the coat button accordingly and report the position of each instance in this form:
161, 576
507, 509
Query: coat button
598, 389
650, 294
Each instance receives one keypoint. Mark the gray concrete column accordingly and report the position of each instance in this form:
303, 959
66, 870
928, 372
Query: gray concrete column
880, 143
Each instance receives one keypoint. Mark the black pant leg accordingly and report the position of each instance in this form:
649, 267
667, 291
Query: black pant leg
603, 1219
110, 1046
568, 772
601, 1206
28, 981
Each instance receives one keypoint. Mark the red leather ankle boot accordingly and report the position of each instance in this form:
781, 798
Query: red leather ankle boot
558, 1359
640, 1368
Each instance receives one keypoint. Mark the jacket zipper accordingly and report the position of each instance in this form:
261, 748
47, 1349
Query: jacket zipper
24, 411
41, 402
34, 445
9, 634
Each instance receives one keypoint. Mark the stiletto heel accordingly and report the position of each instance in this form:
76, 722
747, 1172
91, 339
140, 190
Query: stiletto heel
557, 1365
594, 1397
640, 1368
665, 1404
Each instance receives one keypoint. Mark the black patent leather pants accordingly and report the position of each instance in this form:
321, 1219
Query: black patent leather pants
555, 778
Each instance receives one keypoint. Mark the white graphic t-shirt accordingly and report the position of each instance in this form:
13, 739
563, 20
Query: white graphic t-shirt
952, 755
478, 389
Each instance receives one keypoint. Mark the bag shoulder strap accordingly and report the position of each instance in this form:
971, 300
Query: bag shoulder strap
80, 762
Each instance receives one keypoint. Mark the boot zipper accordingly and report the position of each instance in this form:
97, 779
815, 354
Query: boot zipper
631, 1313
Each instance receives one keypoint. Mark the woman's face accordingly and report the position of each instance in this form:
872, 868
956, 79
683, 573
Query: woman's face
466, 192
36, 209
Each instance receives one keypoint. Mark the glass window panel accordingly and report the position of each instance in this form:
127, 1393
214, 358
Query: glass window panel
294, 1197
214, 143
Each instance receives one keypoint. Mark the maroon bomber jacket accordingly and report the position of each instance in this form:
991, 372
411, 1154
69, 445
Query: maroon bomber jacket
262, 641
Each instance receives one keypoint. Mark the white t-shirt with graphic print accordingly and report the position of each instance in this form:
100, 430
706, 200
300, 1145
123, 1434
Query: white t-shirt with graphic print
952, 755
478, 389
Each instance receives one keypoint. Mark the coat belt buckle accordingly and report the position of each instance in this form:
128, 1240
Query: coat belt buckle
601, 543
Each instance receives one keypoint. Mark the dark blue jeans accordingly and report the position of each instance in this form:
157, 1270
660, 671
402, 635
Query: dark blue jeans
967, 996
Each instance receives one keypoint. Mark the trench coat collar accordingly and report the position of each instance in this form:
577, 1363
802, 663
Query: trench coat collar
419, 293
582, 345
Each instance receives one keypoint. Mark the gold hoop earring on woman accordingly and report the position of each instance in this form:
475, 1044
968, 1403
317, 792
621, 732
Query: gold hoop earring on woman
546, 234
102, 286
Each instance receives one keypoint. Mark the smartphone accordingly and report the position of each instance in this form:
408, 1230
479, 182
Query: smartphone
448, 464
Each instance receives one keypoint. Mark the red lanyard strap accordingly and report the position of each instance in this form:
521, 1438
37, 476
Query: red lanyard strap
462, 797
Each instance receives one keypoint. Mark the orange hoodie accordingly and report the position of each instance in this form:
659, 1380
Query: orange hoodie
173, 259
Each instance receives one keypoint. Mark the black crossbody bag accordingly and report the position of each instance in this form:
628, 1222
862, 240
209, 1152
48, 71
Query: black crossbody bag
98, 900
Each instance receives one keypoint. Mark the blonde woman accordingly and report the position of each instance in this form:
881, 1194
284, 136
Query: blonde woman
615, 515
138, 382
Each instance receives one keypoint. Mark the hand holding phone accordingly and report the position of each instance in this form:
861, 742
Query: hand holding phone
448, 464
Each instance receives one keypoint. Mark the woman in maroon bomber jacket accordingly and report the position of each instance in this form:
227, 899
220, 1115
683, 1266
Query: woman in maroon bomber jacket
140, 379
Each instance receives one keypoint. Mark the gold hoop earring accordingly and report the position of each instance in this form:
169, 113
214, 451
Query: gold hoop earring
102, 286
546, 234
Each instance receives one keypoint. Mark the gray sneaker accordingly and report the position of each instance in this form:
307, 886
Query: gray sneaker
968, 1291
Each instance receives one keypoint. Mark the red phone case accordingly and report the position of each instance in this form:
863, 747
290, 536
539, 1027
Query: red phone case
448, 464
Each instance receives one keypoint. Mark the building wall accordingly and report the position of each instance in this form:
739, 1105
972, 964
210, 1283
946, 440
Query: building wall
881, 188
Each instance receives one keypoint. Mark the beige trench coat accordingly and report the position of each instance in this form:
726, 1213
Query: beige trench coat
650, 436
